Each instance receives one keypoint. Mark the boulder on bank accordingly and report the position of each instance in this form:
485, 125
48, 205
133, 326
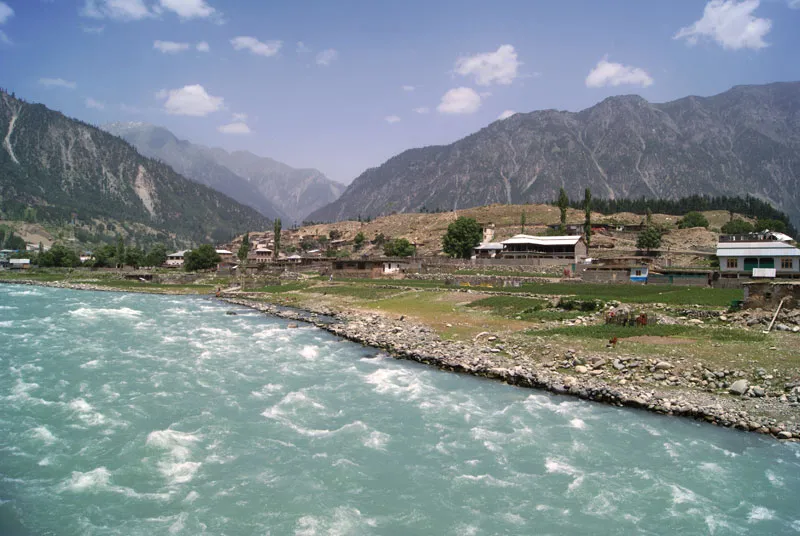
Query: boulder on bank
739, 387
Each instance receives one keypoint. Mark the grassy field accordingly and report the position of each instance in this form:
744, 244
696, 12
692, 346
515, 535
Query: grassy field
607, 331
504, 273
354, 291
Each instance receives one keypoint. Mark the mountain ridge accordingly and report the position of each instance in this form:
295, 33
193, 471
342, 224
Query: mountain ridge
742, 141
266, 184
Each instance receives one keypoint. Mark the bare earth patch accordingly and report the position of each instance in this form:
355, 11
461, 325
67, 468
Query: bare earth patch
654, 339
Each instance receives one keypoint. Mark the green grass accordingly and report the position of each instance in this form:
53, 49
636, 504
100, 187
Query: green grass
506, 273
529, 309
279, 289
604, 331
672, 295
361, 292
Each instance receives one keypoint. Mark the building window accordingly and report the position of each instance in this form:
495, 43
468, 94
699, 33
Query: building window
733, 263
638, 272
786, 264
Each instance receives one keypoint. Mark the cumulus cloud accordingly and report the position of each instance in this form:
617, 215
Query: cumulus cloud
730, 23
422, 110
499, 67
408, 88
57, 82
202, 46
506, 114
188, 9
234, 128
794, 4
4, 38
461, 100
606, 73
170, 47
95, 104
326, 57
124, 10
391, 119
191, 100
5, 12
244, 42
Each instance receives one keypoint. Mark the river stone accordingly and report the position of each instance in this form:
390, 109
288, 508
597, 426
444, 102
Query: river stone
739, 387
663, 365
759, 391
784, 435
580, 369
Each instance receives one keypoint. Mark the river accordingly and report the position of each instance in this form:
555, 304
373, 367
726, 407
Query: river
141, 414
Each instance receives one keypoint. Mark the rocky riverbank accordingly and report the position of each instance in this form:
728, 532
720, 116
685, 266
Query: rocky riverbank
632, 382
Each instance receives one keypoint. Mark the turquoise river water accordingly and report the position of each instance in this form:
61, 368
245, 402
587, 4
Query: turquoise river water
138, 414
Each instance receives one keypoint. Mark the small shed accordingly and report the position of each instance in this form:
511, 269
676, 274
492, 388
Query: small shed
19, 264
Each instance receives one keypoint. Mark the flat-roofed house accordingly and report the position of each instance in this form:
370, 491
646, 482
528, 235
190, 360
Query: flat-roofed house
488, 250
175, 260
262, 255
758, 257
19, 264
523, 246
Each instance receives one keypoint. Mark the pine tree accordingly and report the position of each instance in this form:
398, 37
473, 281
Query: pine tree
587, 208
563, 204
276, 227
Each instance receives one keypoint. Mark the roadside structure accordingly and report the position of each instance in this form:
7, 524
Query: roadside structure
758, 255
19, 264
566, 248
175, 260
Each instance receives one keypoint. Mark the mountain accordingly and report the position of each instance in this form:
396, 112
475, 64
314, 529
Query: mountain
69, 170
743, 141
259, 182
193, 162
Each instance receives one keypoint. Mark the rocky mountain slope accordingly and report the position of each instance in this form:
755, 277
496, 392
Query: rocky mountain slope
743, 141
269, 186
193, 162
67, 170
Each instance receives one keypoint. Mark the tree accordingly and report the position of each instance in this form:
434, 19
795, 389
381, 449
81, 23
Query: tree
648, 217
399, 247
156, 256
335, 234
563, 204
59, 256
202, 258
768, 224
244, 249
522, 223
380, 239
276, 228
587, 222
649, 239
738, 226
134, 257
358, 241
120, 251
693, 219
462, 236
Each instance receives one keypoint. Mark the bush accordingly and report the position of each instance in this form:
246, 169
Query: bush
399, 247
649, 239
693, 219
202, 258
738, 226
462, 236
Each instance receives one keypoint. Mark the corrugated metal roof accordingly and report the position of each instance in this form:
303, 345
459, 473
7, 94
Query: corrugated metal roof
568, 240
490, 245
754, 245
758, 252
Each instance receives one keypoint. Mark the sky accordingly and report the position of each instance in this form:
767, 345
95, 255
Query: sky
343, 86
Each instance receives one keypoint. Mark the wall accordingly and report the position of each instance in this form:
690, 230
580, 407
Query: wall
769, 295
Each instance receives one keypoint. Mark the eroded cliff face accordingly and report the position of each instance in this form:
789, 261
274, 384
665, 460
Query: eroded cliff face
744, 141
64, 167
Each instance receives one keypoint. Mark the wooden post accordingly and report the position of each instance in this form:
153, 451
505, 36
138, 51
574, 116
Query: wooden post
775, 316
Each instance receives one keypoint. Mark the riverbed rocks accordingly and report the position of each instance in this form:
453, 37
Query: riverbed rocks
739, 387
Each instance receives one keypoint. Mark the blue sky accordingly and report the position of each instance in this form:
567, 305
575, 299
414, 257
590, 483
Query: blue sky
345, 85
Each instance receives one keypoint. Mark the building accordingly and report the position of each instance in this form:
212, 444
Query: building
226, 255
368, 268
488, 250
553, 247
19, 264
261, 255
175, 260
757, 255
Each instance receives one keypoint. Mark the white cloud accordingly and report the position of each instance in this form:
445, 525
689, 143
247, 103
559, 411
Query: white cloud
96, 30
125, 10
170, 47
422, 110
270, 48
202, 46
461, 100
302, 48
730, 23
391, 119
606, 73
5, 12
498, 67
409, 88
97, 105
57, 82
4, 38
188, 9
506, 114
234, 128
190, 100
239, 117
326, 57
794, 4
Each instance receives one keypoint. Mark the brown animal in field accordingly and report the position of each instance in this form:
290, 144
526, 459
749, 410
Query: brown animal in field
612, 342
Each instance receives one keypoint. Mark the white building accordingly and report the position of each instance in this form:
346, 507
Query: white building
523, 246
176, 259
757, 257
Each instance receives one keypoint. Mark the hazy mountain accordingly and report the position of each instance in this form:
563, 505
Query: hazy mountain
743, 141
262, 183
65, 167
193, 162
